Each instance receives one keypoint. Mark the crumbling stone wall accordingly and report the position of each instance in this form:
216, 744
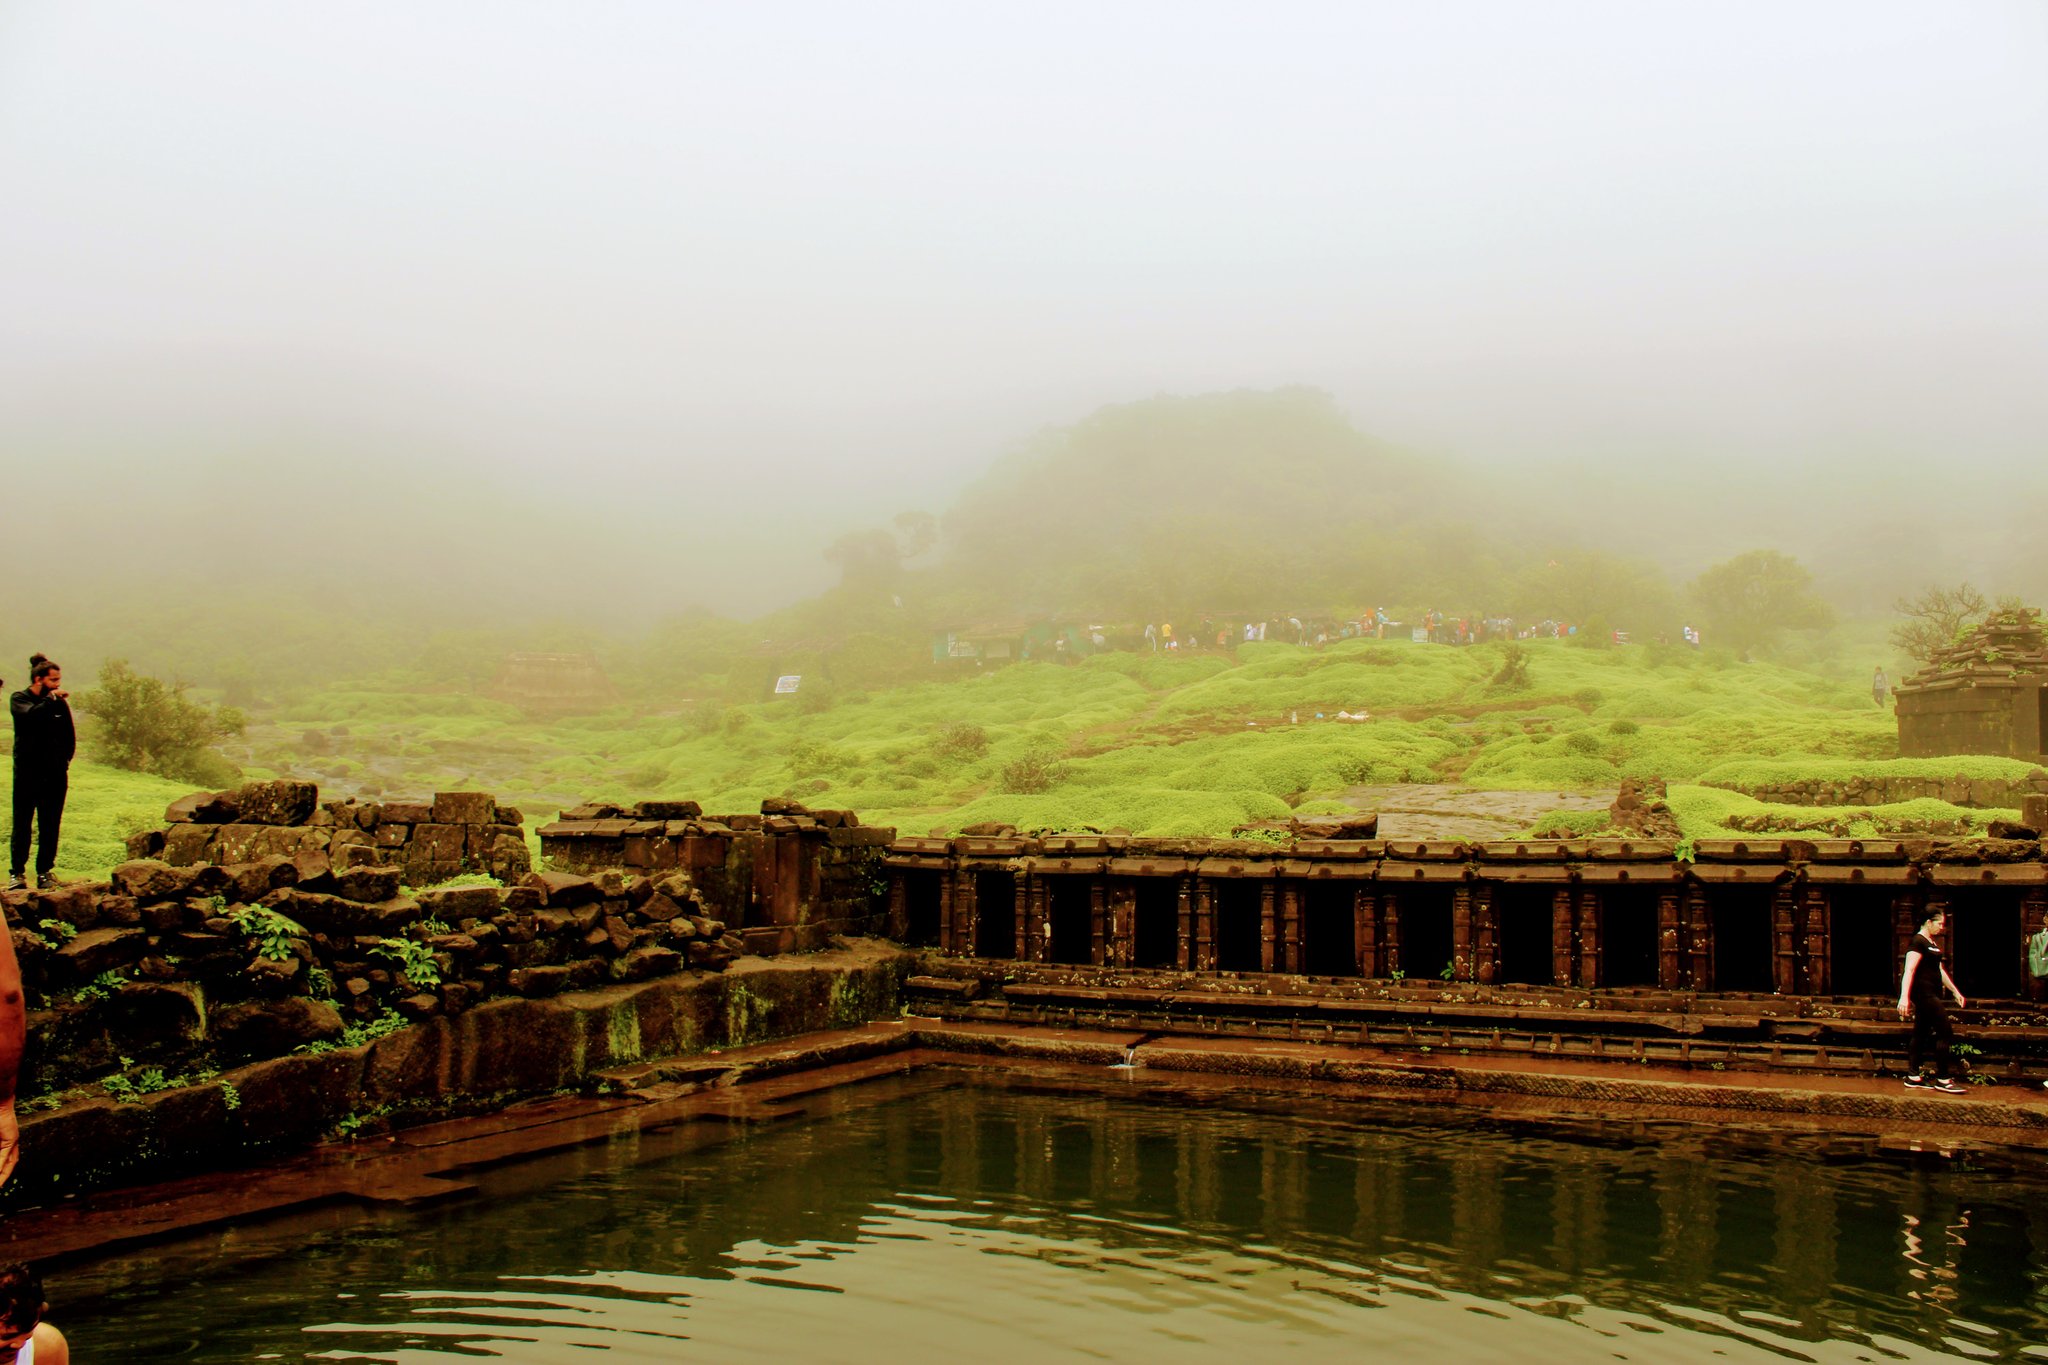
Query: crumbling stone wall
1985, 694
167, 971
789, 877
428, 841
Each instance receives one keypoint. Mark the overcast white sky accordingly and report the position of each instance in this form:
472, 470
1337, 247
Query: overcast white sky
832, 259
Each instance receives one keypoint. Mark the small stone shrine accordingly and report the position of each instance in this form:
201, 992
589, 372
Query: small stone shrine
1986, 694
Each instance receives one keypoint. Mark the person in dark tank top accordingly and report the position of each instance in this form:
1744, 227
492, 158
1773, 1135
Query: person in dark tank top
1920, 999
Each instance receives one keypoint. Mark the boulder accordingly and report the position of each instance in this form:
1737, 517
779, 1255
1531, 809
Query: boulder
148, 844
101, 950
284, 801
203, 808
252, 883
456, 903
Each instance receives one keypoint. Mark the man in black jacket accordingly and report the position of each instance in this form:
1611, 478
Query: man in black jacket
44, 741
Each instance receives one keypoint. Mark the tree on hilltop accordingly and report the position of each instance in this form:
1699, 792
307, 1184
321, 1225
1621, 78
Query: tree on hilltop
1935, 619
1749, 601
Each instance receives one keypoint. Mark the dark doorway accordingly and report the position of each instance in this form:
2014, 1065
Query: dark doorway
1423, 921
1742, 938
1860, 942
1069, 909
1239, 926
921, 890
1983, 943
1155, 935
1628, 936
1523, 914
995, 914
1329, 929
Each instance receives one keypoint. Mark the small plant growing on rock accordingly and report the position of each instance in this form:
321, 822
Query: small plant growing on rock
57, 931
416, 960
271, 932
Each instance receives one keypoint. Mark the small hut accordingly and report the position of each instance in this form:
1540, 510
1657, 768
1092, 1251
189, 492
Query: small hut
554, 684
1985, 694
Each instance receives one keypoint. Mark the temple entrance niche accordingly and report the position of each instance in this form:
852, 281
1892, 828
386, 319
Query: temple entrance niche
1986, 952
995, 914
921, 905
1329, 929
1523, 914
1628, 935
1423, 919
1068, 908
1240, 927
1155, 930
1743, 949
1860, 942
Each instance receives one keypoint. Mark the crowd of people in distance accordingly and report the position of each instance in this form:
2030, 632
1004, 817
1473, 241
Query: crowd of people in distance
1431, 627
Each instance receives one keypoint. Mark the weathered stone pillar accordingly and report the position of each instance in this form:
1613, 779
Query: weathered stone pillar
1184, 893
1390, 931
1485, 934
1785, 940
1817, 978
1461, 932
897, 925
1589, 944
1671, 956
1099, 948
1564, 958
2033, 918
1292, 894
1365, 929
1123, 922
1205, 926
1032, 938
1699, 937
1270, 957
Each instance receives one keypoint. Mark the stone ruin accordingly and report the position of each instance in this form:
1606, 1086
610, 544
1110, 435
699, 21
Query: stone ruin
427, 841
553, 684
1985, 694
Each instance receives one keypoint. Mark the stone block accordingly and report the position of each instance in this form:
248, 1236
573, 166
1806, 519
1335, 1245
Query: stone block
367, 883
667, 810
272, 1028
534, 982
457, 903
148, 843
561, 889
405, 813
464, 808
281, 802
100, 950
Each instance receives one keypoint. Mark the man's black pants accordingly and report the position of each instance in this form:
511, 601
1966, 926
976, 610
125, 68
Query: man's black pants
38, 797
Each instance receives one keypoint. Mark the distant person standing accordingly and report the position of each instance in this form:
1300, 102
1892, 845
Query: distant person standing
1880, 687
44, 741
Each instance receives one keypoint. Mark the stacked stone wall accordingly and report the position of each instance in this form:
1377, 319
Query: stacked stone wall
1978, 793
428, 841
166, 971
790, 877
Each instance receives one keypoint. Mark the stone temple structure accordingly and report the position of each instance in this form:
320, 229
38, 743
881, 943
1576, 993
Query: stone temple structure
554, 684
1986, 694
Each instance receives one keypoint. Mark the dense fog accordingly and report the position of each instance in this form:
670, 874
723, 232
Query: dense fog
330, 330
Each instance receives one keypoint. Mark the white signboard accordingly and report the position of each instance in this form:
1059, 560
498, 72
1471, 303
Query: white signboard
787, 683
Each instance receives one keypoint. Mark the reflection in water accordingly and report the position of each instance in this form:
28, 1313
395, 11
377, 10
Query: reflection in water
935, 1214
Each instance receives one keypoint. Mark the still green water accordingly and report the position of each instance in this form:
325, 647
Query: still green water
1131, 1221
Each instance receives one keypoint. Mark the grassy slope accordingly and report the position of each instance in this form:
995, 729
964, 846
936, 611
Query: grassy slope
104, 807
1154, 744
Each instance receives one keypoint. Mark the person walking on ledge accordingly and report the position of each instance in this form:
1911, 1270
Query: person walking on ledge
44, 741
1920, 999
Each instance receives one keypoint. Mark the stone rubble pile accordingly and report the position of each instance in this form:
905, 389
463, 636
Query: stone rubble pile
428, 841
